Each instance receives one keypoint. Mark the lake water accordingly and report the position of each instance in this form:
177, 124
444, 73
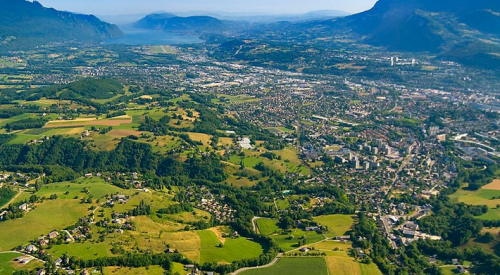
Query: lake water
150, 37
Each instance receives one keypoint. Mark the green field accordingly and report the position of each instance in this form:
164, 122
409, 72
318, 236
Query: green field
347, 265
232, 250
480, 197
290, 241
150, 270
337, 225
293, 266
50, 215
68, 190
7, 266
267, 226
85, 251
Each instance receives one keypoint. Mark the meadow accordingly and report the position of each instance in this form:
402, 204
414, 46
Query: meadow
289, 241
7, 266
50, 215
267, 226
338, 225
483, 196
150, 270
294, 266
231, 250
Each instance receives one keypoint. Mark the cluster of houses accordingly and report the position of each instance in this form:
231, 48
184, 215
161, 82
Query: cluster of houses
221, 212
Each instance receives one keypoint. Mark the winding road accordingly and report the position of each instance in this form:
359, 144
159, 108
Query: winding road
259, 267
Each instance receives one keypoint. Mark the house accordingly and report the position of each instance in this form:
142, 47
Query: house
343, 238
53, 235
360, 252
41, 272
58, 262
31, 248
304, 249
463, 270
43, 242
312, 228
24, 207
409, 233
455, 261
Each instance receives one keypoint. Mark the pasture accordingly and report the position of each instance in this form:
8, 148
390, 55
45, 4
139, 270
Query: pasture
289, 241
68, 190
151, 270
347, 265
267, 226
294, 266
337, 225
8, 266
231, 250
50, 215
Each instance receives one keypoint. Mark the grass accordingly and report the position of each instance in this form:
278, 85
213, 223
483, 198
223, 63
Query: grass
150, 270
96, 186
287, 243
347, 265
337, 225
480, 197
85, 251
232, 250
50, 215
267, 226
7, 266
294, 266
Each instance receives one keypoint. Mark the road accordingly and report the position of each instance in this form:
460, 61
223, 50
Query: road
254, 224
278, 257
12, 200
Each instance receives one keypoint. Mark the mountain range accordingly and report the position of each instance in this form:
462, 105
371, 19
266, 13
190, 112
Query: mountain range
172, 22
25, 24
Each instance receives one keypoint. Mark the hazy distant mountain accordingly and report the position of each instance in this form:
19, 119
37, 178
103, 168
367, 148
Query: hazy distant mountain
272, 18
171, 22
25, 24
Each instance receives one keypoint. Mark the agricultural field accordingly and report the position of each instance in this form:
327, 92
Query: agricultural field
267, 226
47, 216
289, 241
151, 270
338, 225
347, 265
8, 266
294, 266
85, 251
230, 250
69, 190
488, 195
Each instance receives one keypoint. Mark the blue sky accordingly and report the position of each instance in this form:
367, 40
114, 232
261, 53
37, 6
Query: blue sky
118, 7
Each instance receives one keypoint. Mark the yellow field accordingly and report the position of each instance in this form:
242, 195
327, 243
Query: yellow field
347, 265
495, 185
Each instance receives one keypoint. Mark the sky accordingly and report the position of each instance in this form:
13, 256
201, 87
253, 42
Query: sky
122, 7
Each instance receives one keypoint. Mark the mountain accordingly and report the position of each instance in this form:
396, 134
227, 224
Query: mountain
171, 22
272, 18
25, 24
427, 25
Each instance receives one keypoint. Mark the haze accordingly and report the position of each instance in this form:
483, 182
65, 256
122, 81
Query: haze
117, 7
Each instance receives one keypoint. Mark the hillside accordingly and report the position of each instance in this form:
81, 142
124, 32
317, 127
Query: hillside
25, 24
424, 25
171, 22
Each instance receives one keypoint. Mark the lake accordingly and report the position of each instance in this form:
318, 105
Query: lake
135, 36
